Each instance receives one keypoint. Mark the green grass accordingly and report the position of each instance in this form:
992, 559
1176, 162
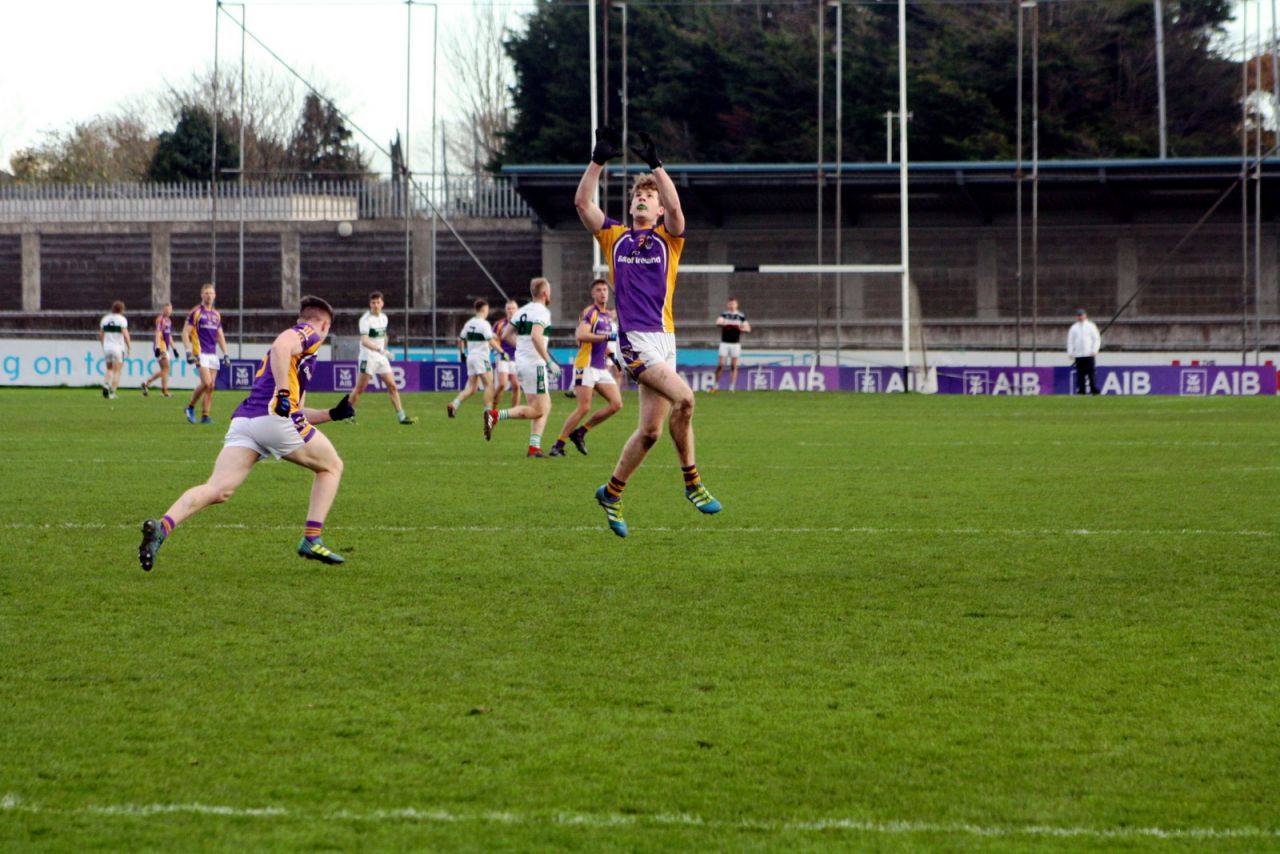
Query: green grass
921, 623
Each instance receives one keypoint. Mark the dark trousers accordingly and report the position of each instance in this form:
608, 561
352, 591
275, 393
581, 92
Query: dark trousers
1086, 368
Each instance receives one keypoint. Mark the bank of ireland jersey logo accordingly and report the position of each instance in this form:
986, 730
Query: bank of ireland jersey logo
344, 377
1194, 383
975, 382
448, 377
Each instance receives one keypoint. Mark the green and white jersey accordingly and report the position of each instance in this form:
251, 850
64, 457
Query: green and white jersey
113, 327
527, 317
476, 334
375, 327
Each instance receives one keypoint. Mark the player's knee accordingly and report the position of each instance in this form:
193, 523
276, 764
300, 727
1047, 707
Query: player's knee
683, 405
649, 435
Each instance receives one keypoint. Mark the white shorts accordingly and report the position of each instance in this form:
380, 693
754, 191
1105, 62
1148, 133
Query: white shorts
533, 377
506, 366
269, 435
641, 350
210, 361
113, 355
477, 366
590, 377
730, 351
374, 364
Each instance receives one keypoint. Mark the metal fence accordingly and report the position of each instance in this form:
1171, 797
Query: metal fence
454, 196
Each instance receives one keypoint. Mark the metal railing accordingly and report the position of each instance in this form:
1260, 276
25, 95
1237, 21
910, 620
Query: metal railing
455, 196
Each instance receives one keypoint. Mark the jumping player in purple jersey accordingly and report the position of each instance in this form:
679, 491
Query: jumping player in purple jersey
271, 422
643, 261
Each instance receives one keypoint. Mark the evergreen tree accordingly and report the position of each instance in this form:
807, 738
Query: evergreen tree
321, 144
183, 154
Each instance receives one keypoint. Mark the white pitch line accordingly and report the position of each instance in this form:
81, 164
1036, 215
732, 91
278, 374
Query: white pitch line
709, 529
13, 803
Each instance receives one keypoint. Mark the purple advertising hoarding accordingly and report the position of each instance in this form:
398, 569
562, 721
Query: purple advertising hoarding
1189, 381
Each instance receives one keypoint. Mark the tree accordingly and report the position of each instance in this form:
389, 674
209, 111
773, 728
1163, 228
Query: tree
102, 150
739, 83
481, 75
271, 106
184, 153
321, 143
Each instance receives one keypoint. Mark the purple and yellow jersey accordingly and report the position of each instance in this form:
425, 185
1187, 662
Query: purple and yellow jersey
262, 396
643, 267
499, 327
164, 325
594, 354
206, 322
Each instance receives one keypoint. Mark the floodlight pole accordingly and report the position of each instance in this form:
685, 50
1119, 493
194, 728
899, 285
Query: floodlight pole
817, 317
1257, 189
1244, 189
839, 173
1035, 179
1018, 178
1160, 86
240, 183
213, 155
594, 93
406, 195
435, 219
902, 193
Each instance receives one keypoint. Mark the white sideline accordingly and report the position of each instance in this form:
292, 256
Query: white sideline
13, 803
576, 529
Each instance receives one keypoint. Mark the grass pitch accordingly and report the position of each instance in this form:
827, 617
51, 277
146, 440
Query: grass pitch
920, 623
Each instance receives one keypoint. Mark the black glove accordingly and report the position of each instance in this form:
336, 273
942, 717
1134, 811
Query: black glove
608, 140
649, 152
191, 358
343, 410
226, 360
159, 353
281, 407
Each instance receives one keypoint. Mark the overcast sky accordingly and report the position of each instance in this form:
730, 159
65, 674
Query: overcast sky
64, 61
67, 61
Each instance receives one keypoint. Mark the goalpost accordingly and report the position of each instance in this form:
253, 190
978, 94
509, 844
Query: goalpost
909, 296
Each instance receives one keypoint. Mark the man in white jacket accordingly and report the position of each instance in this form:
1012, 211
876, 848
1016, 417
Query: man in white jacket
1083, 343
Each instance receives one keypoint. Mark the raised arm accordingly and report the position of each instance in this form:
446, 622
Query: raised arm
606, 148
667, 195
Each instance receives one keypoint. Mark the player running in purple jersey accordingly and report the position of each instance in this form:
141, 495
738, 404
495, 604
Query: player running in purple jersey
591, 371
272, 422
643, 260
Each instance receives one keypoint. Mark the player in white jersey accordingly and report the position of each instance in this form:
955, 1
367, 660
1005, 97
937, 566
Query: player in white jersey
373, 357
534, 366
476, 342
113, 332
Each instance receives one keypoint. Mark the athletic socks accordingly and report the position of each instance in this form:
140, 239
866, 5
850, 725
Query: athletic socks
312, 531
503, 414
399, 414
456, 402
535, 441
614, 488
691, 478
167, 525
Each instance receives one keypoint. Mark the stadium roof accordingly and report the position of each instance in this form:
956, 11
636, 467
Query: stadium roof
974, 192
